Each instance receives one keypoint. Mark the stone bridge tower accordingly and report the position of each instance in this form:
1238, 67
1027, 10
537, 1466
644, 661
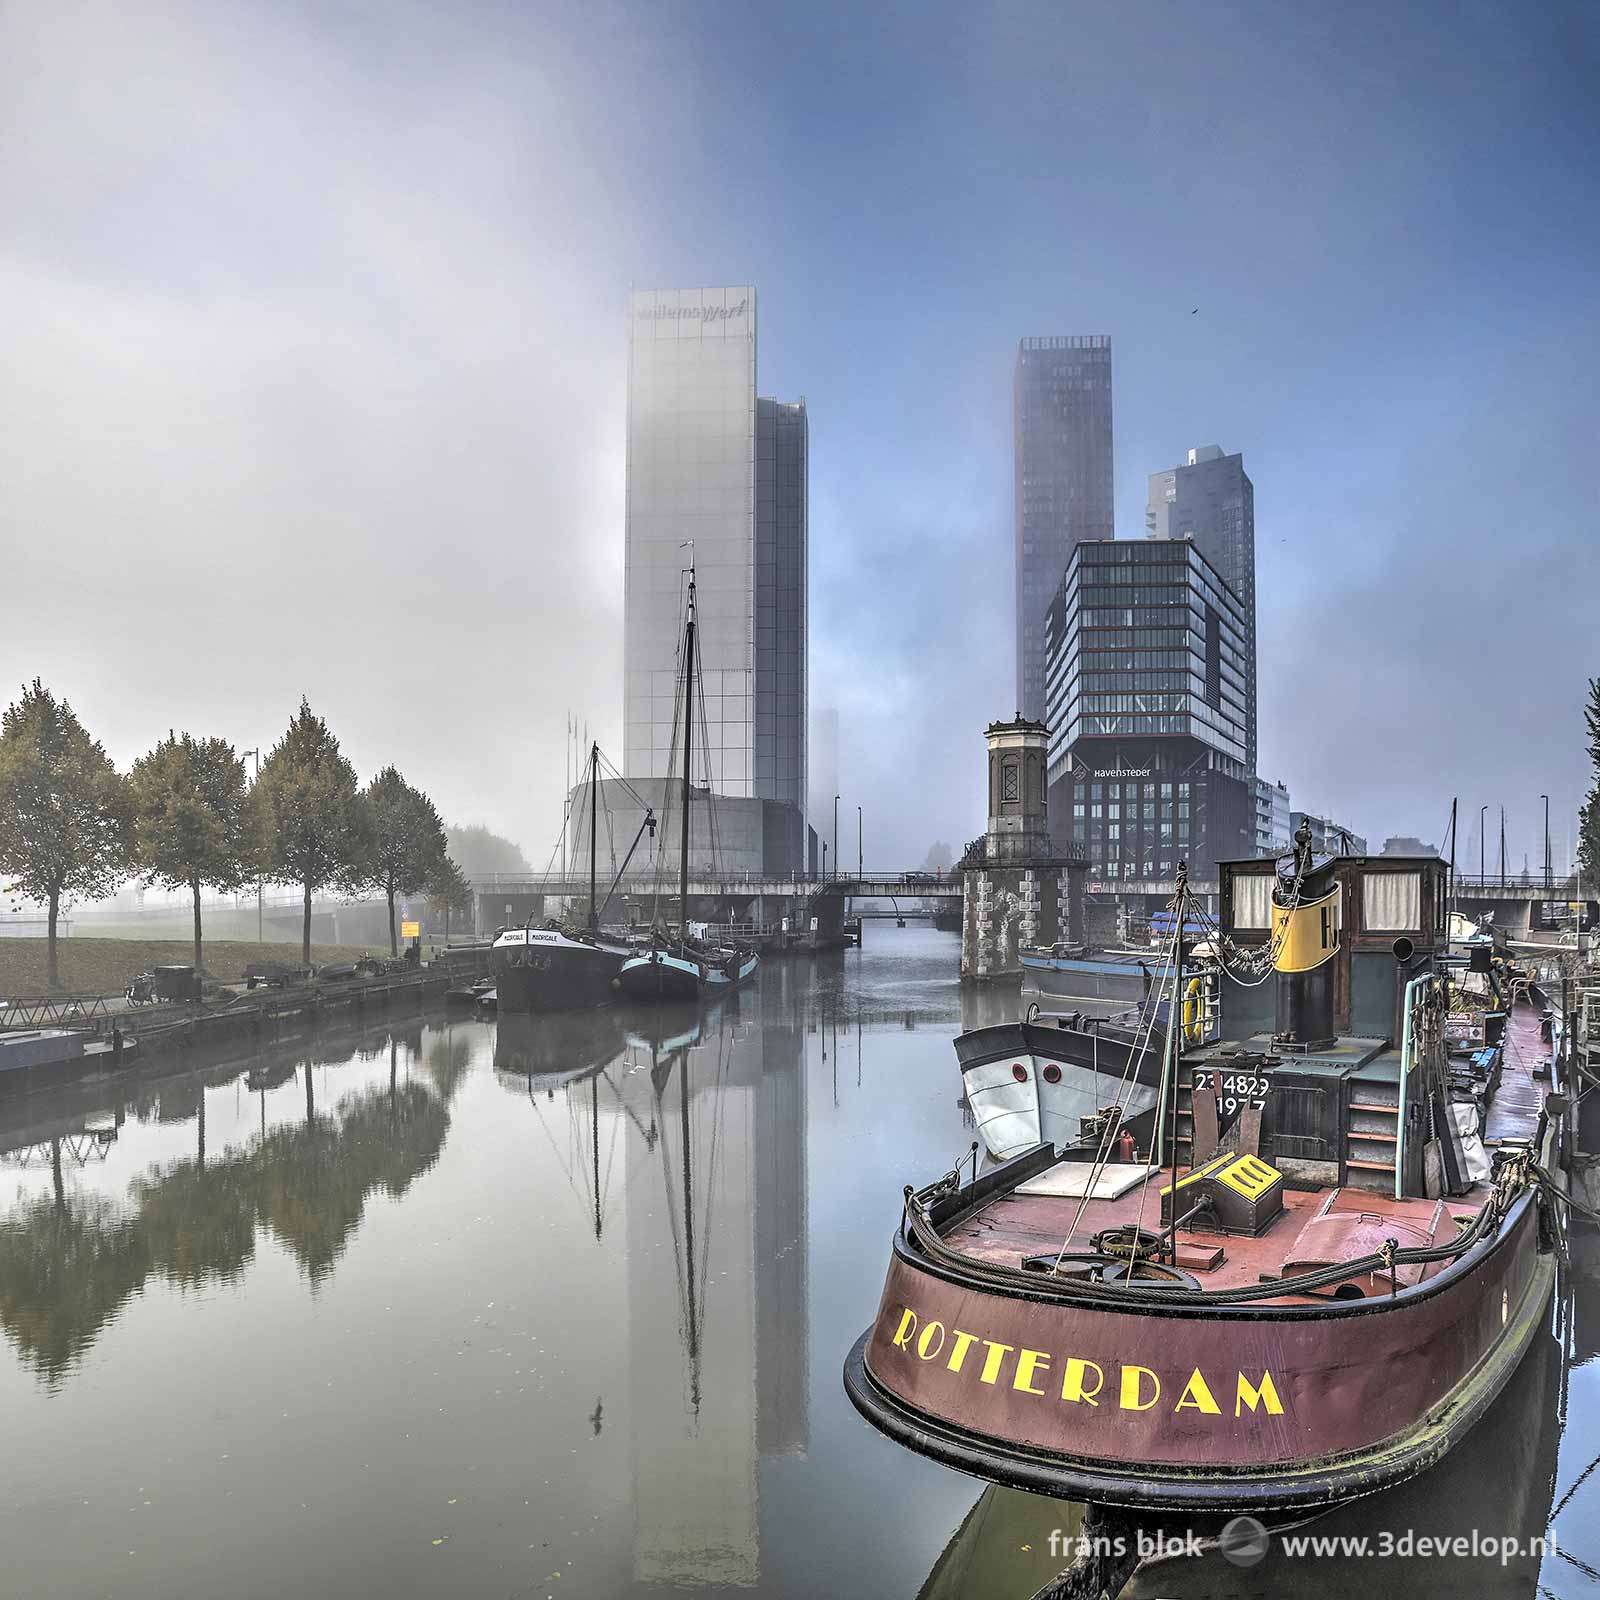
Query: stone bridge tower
1017, 889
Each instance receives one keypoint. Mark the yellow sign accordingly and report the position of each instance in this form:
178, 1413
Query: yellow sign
410, 930
1306, 936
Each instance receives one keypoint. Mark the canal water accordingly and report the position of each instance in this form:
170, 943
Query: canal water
558, 1308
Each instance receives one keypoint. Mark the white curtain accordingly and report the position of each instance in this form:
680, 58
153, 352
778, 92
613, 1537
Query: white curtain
1252, 898
1393, 901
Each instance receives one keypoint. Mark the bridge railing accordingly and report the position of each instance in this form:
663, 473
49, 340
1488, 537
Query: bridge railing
908, 882
1531, 886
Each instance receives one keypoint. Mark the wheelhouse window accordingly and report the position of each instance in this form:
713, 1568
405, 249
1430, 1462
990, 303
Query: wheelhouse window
1252, 900
1392, 901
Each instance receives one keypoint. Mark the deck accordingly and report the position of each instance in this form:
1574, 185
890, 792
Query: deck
1014, 1226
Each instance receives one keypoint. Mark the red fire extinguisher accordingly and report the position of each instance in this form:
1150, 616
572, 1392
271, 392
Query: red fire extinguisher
1125, 1146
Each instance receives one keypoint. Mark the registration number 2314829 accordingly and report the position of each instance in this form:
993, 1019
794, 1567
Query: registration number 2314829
1234, 1090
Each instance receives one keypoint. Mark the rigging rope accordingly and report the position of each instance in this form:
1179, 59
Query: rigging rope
1114, 1125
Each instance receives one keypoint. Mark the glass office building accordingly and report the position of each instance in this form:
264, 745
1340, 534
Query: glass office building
1061, 435
1147, 656
710, 463
1210, 501
780, 655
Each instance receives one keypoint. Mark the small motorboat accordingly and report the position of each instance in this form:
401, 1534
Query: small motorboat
685, 973
661, 975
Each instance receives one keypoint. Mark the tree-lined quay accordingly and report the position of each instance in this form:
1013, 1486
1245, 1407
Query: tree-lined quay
187, 817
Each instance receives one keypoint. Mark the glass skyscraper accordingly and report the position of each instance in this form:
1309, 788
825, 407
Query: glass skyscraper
709, 463
1210, 501
782, 441
1061, 421
1148, 656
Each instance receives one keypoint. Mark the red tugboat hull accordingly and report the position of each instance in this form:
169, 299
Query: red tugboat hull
1212, 1407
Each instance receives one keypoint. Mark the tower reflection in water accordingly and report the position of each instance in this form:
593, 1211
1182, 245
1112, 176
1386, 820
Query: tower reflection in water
693, 1124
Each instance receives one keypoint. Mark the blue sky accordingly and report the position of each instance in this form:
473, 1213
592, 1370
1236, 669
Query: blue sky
313, 352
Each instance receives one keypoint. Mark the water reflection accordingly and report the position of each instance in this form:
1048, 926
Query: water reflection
70, 1259
1487, 1506
458, 1305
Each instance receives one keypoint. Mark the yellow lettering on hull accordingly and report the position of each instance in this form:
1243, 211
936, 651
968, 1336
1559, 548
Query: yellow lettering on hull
1083, 1380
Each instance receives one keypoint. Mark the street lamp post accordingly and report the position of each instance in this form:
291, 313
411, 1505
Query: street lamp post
836, 836
1546, 799
861, 871
1483, 871
1502, 847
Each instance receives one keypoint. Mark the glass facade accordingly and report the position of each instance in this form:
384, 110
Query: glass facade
1061, 397
1211, 502
1147, 658
781, 654
691, 476
709, 462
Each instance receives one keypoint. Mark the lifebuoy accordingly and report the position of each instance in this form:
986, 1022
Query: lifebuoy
1193, 1012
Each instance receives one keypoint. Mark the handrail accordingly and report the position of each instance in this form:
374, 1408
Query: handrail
1514, 1176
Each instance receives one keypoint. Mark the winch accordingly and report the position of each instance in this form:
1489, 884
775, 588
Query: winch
1230, 1193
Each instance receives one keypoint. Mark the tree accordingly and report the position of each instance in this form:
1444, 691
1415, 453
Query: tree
449, 890
1589, 815
64, 809
306, 816
406, 844
480, 851
938, 857
191, 818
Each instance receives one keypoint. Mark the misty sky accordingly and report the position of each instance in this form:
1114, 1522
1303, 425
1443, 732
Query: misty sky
312, 365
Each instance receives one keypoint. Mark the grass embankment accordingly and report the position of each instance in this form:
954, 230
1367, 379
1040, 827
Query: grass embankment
104, 966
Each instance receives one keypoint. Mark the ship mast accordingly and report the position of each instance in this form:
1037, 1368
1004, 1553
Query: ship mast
594, 806
688, 747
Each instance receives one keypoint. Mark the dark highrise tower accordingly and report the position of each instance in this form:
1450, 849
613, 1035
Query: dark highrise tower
1210, 501
1062, 440
782, 444
1147, 714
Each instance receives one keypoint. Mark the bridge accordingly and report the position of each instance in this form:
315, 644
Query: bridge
747, 885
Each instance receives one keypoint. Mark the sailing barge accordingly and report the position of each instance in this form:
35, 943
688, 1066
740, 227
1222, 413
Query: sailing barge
672, 971
1308, 1283
564, 968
